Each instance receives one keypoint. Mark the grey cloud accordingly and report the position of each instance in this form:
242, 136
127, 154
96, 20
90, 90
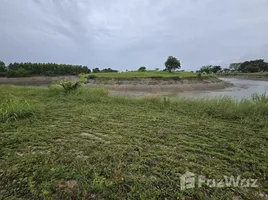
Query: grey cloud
127, 34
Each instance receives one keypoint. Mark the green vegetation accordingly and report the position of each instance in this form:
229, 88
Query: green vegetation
142, 69
14, 110
40, 69
107, 70
2, 69
69, 86
138, 74
172, 64
257, 74
252, 66
208, 69
89, 145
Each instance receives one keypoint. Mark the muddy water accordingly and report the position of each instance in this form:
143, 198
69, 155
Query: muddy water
242, 89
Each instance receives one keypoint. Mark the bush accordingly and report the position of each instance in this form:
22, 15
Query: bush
142, 69
91, 76
69, 86
12, 110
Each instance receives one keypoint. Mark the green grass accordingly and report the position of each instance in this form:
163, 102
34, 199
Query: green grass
245, 74
89, 145
148, 74
13, 110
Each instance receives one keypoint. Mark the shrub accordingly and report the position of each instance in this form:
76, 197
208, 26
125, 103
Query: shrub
69, 86
199, 74
256, 98
91, 76
12, 110
83, 78
142, 69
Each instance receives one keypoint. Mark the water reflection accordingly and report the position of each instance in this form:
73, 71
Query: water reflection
242, 89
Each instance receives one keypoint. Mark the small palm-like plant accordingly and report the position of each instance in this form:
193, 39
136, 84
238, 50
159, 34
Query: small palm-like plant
69, 86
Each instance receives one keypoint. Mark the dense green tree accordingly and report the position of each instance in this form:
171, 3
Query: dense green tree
234, 66
96, 70
2, 66
210, 69
108, 70
206, 69
172, 63
257, 65
253, 66
215, 69
44, 69
3, 69
142, 69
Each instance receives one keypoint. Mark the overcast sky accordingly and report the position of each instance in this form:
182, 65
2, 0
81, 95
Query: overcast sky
125, 34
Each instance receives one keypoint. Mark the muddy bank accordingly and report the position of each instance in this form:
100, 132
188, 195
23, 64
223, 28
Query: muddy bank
148, 85
153, 85
37, 80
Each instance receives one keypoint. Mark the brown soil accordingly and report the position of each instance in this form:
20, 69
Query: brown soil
160, 85
150, 85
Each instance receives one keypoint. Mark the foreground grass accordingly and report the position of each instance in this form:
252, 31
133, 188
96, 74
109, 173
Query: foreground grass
88, 145
148, 74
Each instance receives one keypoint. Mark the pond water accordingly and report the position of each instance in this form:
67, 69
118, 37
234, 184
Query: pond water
242, 88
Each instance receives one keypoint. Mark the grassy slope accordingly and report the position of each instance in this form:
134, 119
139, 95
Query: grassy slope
89, 145
265, 74
147, 74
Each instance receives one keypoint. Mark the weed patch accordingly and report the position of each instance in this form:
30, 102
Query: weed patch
12, 110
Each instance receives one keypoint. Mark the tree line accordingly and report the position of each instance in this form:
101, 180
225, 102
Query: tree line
52, 69
251, 66
45, 69
258, 65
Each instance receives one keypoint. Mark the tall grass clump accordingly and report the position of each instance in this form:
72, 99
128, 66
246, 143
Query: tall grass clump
12, 110
260, 98
84, 94
247, 110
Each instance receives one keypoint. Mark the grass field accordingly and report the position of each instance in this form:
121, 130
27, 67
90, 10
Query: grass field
245, 74
88, 145
147, 74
